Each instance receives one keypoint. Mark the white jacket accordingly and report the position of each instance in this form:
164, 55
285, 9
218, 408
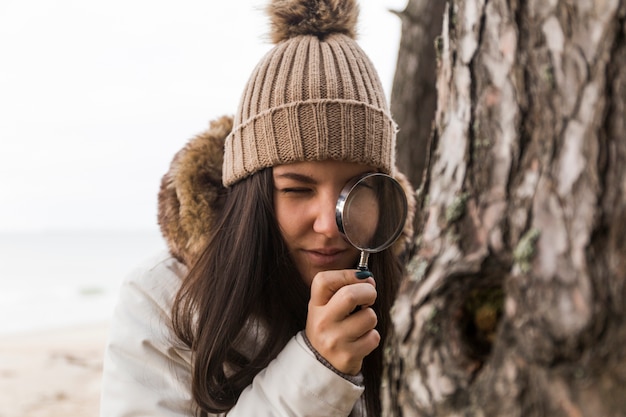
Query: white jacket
147, 369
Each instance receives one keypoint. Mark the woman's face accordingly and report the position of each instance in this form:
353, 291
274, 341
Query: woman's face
305, 196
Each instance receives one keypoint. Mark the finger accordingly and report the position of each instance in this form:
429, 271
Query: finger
358, 324
346, 343
336, 334
326, 284
349, 297
365, 344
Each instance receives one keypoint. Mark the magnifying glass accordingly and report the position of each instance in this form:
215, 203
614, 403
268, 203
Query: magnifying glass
370, 213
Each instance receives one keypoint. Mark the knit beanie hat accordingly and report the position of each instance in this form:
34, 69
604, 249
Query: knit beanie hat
314, 96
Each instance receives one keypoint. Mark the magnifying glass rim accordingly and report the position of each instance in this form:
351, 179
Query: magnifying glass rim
341, 202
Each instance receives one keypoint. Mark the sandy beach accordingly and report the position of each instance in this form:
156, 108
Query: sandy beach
52, 373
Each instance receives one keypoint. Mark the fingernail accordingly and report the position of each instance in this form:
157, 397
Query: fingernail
363, 274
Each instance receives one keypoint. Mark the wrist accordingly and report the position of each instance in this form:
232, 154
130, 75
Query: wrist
355, 379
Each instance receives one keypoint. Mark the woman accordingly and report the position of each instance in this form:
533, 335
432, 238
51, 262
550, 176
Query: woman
257, 309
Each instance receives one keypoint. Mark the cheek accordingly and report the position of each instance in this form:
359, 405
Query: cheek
288, 223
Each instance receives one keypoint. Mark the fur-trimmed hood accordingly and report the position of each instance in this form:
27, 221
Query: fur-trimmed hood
189, 194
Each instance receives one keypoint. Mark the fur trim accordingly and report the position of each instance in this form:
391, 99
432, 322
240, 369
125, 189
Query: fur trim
291, 18
189, 198
190, 191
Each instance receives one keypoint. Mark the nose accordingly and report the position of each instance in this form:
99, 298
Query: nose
325, 222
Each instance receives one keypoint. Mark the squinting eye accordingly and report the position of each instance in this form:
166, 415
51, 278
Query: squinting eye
295, 190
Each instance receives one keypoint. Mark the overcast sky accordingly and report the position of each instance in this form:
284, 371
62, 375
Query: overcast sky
97, 96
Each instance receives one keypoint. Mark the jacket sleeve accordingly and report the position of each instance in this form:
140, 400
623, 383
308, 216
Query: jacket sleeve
147, 369
296, 384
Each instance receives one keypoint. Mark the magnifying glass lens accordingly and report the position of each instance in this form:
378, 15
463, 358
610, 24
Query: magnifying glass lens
373, 212
361, 216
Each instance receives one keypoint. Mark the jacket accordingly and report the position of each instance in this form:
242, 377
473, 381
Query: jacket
147, 369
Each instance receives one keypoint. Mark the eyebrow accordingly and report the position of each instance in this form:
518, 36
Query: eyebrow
297, 177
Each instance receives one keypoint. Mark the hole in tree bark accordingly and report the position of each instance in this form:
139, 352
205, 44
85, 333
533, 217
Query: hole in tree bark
474, 306
481, 313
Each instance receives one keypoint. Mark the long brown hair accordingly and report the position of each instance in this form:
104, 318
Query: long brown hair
246, 276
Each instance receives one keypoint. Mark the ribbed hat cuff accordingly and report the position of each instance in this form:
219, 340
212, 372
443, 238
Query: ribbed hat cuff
312, 130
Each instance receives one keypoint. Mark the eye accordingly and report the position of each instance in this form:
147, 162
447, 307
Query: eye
295, 190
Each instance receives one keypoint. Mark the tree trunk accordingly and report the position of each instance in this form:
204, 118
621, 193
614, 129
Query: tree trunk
516, 300
413, 95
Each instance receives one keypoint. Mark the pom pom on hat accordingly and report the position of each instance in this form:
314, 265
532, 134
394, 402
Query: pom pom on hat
291, 18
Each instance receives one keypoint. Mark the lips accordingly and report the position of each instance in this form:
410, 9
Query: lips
325, 256
326, 252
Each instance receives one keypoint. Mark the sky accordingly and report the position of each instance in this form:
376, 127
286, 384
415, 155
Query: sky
96, 97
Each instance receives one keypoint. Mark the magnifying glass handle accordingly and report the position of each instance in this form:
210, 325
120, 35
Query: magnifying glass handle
363, 260
363, 271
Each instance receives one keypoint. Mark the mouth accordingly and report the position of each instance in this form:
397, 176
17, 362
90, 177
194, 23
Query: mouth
325, 256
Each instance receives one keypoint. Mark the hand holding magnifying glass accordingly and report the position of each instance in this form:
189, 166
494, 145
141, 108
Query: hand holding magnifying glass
371, 212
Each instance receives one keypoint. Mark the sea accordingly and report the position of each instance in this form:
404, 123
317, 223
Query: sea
57, 279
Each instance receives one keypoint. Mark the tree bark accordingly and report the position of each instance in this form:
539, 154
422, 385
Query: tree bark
515, 304
413, 95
